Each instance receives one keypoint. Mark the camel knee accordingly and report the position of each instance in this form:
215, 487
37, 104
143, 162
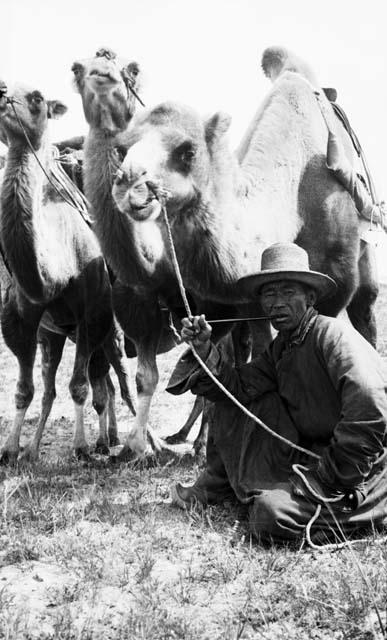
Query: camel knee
79, 390
24, 395
100, 396
146, 382
49, 396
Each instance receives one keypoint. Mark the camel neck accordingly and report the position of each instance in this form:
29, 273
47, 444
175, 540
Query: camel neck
21, 199
131, 249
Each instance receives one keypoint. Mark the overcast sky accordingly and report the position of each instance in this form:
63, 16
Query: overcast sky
207, 53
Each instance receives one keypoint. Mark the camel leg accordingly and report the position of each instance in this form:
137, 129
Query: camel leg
79, 387
20, 337
147, 377
361, 308
112, 418
114, 348
183, 433
98, 372
51, 345
93, 327
142, 322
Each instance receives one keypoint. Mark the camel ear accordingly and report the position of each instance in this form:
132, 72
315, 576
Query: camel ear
216, 127
55, 108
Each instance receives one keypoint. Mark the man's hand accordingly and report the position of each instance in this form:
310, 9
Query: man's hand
197, 331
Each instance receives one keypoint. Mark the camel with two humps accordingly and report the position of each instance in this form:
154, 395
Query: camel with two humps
224, 209
59, 285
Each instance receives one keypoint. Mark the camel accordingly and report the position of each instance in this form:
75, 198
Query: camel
60, 283
108, 107
225, 209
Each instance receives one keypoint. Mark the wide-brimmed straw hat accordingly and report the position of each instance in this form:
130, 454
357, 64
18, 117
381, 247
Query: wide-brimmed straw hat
287, 261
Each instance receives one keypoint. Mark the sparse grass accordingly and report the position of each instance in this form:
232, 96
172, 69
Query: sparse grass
93, 551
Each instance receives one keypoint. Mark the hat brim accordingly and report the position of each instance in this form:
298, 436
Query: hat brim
249, 286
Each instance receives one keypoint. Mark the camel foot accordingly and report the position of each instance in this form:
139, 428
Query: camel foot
101, 447
29, 455
126, 454
175, 438
167, 457
82, 454
151, 459
8, 458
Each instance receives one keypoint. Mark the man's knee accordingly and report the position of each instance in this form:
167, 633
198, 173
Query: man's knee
264, 514
276, 514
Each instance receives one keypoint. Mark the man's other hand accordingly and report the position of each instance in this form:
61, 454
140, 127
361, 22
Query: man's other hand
197, 331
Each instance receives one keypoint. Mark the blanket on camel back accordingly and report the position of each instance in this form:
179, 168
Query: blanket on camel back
361, 188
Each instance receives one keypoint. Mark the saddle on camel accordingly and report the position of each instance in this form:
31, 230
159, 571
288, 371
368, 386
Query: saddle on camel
319, 386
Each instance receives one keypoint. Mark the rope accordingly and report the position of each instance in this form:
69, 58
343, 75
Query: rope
66, 190
204, 366
334, 546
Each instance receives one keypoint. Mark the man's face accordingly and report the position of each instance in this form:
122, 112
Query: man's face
286, 302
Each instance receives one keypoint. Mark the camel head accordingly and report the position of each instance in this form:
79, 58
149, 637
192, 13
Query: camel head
23, 111
277, 60
171, 152
106, 88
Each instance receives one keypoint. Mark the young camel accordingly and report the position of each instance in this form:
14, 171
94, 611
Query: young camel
224, 209
59, 277
108, 104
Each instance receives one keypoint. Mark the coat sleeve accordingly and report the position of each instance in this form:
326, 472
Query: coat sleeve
246, 382
358, 439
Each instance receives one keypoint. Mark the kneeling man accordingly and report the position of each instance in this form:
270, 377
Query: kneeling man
320, 385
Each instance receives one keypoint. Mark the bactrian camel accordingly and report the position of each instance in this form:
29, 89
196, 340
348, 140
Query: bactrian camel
105, 89
224, 209
59, 276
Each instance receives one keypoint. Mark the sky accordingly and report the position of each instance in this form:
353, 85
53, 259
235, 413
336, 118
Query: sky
206, 53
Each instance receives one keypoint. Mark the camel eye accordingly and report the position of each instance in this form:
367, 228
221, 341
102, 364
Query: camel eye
120, 152
133, 69
37, 97
76, 68
185, 153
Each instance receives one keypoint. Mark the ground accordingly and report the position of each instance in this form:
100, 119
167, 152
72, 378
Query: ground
94, 550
